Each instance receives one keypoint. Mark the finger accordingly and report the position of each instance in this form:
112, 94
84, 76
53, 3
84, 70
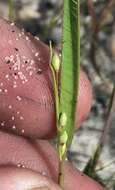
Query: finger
75, 178
25, 84
12, 178
26, 92
84, 99
40, 156
22, 153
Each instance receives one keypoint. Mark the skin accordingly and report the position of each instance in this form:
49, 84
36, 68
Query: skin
27, 114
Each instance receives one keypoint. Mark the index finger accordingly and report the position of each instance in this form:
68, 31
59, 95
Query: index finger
26, 91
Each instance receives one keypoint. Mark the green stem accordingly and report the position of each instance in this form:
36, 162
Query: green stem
61, 174
65, 102
11, 10
56, 95
55, 82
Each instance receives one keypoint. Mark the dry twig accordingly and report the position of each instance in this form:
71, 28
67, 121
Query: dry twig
96, 27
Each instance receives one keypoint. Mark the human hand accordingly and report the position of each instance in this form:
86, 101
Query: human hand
27, 114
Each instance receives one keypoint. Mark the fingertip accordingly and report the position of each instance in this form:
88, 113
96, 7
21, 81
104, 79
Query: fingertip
75, 178
12, 178
38, 156
26, 94
84, 99
27, 99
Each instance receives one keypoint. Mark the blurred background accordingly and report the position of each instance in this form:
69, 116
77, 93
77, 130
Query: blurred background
43, 18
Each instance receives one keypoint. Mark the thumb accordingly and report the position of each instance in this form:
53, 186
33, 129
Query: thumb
12, 178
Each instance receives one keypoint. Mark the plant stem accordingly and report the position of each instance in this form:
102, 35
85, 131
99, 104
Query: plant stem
11, 10
61, 174
59, 127
65, 101
55, 82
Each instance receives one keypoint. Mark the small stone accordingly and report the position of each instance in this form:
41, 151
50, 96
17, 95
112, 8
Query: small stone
39, 71
13, 118
20, 35
12, 24
27, 38
36, 54
18, 98
14, 86
21, 118
22, 130
2, 123
13, 127
10, 106
7, 76
5, 90
7, 60
37, 38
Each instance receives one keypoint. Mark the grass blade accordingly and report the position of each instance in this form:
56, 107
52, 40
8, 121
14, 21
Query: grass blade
70, 63
65, 102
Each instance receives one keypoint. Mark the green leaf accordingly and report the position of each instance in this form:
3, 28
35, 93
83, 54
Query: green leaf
91, 165
70, 63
